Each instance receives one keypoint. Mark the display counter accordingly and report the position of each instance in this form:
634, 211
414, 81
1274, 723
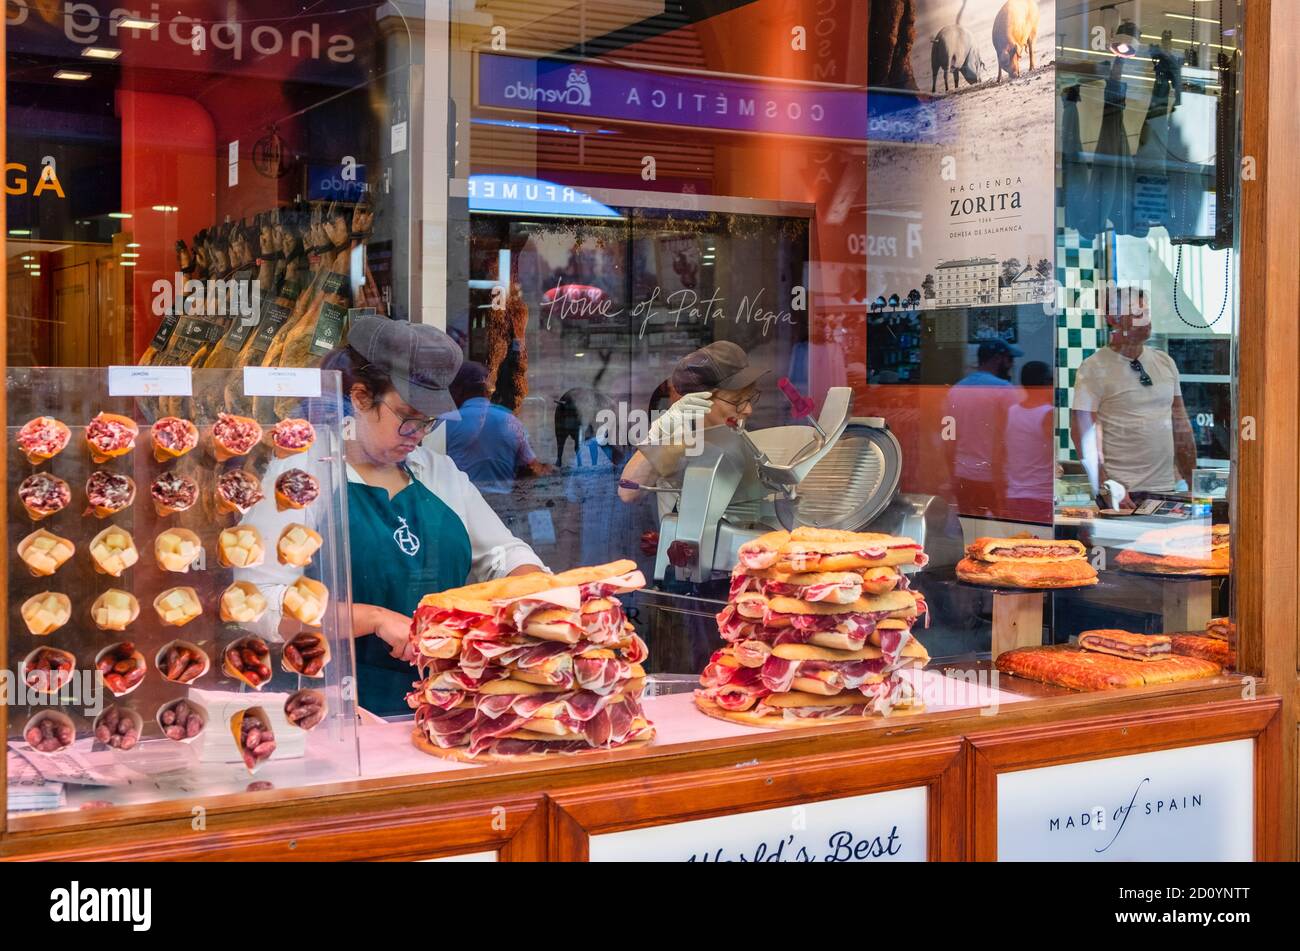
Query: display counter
928, 786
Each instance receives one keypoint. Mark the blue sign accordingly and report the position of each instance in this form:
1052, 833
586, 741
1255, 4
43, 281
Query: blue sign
700, 101
515, 194
326, 183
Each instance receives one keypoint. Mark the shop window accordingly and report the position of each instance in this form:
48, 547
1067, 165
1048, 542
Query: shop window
986, 321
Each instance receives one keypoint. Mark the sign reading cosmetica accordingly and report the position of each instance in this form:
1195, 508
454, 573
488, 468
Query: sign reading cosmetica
1194, 804
651, 96
878, 827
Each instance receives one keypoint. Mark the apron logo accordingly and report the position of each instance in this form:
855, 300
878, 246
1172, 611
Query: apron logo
406, 539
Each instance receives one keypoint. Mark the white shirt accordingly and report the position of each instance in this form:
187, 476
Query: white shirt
1135, 421
494, 551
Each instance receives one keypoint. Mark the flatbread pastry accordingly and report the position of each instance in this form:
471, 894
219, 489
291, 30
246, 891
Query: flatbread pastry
1198, 549
1068, 666
1206, 648
1072, 573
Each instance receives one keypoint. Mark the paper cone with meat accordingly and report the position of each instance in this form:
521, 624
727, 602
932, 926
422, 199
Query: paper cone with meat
805, 646
527, 667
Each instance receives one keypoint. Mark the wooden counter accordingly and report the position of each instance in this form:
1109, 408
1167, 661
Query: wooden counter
552, 809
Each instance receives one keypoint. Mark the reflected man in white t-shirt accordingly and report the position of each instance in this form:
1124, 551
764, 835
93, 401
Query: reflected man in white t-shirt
1128, 421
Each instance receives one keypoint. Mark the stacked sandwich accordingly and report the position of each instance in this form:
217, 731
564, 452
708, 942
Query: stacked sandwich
526, 667
818, 626
1027, 563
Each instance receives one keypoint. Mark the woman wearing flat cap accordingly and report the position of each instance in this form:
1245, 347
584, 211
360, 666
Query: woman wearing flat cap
708, 386
416, 523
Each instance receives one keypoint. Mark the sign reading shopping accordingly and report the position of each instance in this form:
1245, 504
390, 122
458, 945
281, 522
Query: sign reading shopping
681, 99
879, 827
1187, 805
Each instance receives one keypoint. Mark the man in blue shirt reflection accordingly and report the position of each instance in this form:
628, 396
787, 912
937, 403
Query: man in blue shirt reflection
488, 443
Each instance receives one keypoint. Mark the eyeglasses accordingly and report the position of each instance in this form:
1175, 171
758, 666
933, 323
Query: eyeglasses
409, 426
1143, 376
750, 402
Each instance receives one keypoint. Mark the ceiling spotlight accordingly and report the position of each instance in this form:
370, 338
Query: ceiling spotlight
71, 75
119, 214
165, 208
100, 52
136, 23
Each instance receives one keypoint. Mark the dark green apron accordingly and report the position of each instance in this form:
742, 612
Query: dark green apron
402, 549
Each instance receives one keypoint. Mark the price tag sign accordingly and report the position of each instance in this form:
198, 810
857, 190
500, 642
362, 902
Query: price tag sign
150, 381
282, 381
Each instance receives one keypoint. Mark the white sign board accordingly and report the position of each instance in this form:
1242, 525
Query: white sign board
282, 381
879, 827
1195, 804
149, 381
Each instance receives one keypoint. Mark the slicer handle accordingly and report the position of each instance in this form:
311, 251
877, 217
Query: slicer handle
800, 405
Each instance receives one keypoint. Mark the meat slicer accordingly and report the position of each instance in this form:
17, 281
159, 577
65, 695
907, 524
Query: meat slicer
832, 471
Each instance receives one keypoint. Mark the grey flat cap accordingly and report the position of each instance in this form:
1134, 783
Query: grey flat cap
421, 359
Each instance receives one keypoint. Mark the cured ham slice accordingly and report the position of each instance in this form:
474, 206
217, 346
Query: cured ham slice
43, 438
296, 489
446, 727
43, 494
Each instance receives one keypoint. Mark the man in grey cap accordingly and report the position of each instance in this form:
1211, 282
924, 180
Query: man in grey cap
708, 387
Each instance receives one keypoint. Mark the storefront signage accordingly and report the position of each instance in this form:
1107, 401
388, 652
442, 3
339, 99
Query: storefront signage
642, 95
1185, 805
282, 381
276, 40
657, 309
879, 827
18, 176
149, 381
88, 24
515, 194
979, 213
